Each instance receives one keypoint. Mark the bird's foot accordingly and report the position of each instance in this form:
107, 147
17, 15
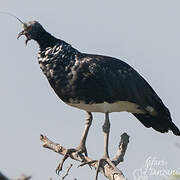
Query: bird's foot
81, 149
78, 151
100, 163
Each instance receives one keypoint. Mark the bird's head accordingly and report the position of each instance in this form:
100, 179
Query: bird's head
31, 30
34, 30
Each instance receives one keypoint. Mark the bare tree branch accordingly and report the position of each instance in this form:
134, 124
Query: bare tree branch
119, 157
108, 171
67, 172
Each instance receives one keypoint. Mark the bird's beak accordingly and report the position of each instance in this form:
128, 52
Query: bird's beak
24, 33
20, 34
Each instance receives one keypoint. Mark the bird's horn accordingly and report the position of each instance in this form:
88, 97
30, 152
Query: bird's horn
23, 23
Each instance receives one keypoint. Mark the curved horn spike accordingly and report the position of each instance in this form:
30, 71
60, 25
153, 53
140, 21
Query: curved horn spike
24, 24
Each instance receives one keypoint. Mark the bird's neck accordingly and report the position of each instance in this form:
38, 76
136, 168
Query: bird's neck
45, 40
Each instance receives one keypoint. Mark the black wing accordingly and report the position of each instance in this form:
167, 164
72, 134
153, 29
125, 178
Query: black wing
102, 78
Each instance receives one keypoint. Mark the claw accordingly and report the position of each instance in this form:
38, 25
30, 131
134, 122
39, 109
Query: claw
59, 167
99, 164
87, 163
67, 154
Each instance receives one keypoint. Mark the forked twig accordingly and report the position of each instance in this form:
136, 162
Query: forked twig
109, 172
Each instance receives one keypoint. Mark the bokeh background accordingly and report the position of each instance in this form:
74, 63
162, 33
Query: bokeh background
145, 34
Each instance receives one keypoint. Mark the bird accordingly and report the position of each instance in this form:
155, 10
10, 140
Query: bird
97, 83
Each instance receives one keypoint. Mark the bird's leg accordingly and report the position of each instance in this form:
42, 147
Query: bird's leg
105, 158
106, 130
82, 146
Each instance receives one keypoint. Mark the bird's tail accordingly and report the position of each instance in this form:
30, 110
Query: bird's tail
160, 123
161, 119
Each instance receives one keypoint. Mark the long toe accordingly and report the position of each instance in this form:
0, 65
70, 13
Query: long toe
100, 164
79, 150
67, 154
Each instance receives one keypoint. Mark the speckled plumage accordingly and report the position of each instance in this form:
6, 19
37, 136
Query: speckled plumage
84, 80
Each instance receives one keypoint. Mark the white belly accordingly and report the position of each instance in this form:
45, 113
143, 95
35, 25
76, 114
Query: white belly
109, 107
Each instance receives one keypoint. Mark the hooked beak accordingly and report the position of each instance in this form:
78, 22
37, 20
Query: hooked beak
24, 33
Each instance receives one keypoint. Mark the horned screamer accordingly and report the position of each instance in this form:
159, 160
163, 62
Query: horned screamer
96, 83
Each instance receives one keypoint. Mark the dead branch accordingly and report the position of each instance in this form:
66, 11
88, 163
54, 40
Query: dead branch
67, 172
106, 170
119, 157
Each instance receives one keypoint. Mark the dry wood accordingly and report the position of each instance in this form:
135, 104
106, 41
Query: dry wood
108, 171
